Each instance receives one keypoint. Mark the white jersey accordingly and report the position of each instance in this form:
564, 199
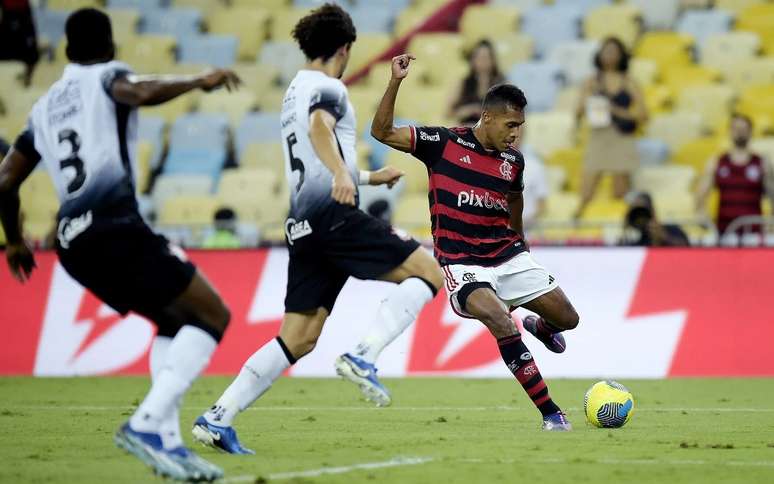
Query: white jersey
86, 140
308, 178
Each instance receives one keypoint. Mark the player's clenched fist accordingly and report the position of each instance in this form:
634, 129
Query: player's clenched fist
343, 190
219, 78
400, 65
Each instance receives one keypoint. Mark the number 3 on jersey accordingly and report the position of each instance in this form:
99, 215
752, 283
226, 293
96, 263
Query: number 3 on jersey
73, 161
295, 163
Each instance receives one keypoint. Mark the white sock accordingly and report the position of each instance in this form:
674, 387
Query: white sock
170, 426
256, 376
395, 314
186, 357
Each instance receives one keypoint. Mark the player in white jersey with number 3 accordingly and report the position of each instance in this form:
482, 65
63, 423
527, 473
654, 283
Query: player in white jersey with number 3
328, 238
84, 129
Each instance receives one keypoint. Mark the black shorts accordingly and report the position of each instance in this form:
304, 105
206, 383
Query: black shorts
128, 266
346, 242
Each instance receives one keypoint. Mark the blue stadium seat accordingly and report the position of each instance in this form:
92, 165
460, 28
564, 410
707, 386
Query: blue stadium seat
213, 50
151, 129
652, 151
540, 81
180, 22
373, 19
317, 3
141, 5
285, 56
50, 24
200, 131
551, 26
703, 23
523, 5
583, 5
257, 127
181, 161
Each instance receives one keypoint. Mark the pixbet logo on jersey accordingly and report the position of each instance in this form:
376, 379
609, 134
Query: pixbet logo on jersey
486, 200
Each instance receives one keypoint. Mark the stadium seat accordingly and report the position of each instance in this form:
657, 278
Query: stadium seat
198, 161
141, 5
11, 74
365, 100
283, 22
261, 207
550, 26
200, 130
250, 26
695, 153
576, 59
548, 132
681, 77
621, 20
413, 215
247, 181
168, 186
658, 14
652, 151
150, 53
540, 81
257, 78
188, 210
151, 129
764, 145
39, 204
72, 4
736, 6
142, 166
285, 55
255, 127
675, 128
416, 173
556, 178
125, 23
50, 25
561, 207
180, 22
571, 161
214, 50
669, 179
759, 18
674, 206
605, 211
644, 71
267, 155
658, 98
373, 19
439, 52
722, 49
567, 99
701, 24
235, 104
712, 102
206, 7
366, 49
512, 48
667, 49
427, 105
171, 110
744, 73
480, 21
522, 5
410, 18
757, 101
584, 6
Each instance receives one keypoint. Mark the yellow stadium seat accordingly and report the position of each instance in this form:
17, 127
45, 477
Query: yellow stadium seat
12, 73
365, 100
744, 73
441, 54
282, 24
712, 102
271, 98
366, 49
561, 207
72, 4
736, 6
249, 181
695, 153
257, 77
426, 106
46, 73
757, 101
412, 17
233, 104
142, 175
413, 215
764, 145
416, 173
206, 7
604, 211
512, 48
481, 21
39, 205
728, 47
266, 156
12, 124
571, 161
758, 18
271, 5
644, 71
250, 25
556, 177
658, 98
259, 208
21, 102
675, 128
665, 179
621, 20
567, 100
682, 77
188, 210
150, 53
665, 48
171, 110
124, 23
548, 132
674, 206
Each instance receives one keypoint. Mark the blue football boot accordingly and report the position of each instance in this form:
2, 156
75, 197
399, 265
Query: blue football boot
363, 374
149, 449
556, 422
215, 436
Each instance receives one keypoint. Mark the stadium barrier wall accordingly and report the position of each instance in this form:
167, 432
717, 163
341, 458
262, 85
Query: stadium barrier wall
644, 313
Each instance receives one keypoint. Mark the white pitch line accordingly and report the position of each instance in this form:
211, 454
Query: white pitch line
661, 462
322, 471
98, 408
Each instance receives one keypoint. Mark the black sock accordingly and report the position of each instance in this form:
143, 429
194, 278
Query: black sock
519, 360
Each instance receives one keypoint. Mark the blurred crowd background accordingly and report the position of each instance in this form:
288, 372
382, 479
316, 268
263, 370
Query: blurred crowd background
642, 113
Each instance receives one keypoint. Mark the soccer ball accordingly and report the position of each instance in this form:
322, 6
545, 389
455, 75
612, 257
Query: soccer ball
608, 404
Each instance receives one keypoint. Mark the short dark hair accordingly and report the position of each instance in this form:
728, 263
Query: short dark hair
747, 119
504, 96
623, 62
324, 31
89, 36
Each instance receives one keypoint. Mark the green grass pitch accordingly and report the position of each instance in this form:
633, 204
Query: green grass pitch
438, 430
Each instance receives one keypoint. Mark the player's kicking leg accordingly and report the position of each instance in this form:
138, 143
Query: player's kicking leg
480, 301
177, 357
555, 315
297, 337
419, 278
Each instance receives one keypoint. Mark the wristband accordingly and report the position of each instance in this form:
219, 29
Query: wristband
365, 177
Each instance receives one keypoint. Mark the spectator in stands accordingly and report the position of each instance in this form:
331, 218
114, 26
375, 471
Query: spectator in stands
225, 234
741, 177
642, 228
17, 35
614, 107
536, 190
484, 73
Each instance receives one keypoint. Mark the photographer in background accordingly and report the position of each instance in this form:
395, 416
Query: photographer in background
642, 228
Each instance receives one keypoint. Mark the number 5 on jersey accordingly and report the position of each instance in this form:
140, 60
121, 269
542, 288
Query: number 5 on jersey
295, 163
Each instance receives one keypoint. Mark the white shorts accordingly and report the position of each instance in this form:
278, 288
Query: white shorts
516, 282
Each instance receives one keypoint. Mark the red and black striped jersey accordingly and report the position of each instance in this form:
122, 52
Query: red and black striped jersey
468, 186
740, 187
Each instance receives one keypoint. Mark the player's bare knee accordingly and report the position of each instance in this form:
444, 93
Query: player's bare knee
571, 319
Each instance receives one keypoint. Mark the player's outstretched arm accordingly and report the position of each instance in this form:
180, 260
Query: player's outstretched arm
14, 169
382, 127
136, 90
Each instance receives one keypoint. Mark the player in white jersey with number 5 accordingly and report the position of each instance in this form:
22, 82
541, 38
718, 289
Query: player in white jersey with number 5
328, 238
84, 129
